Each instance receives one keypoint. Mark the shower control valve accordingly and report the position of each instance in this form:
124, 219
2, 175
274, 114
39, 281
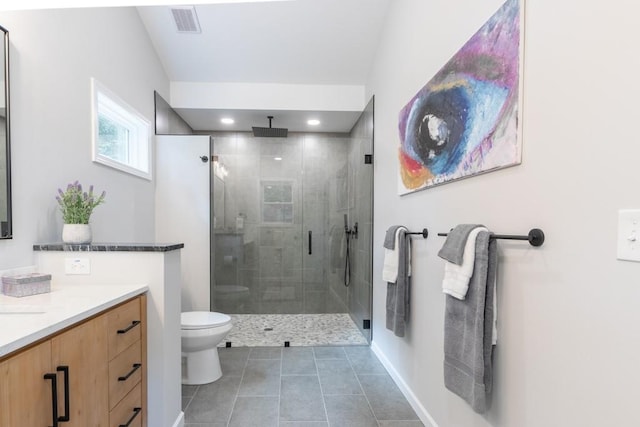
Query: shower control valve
352, 232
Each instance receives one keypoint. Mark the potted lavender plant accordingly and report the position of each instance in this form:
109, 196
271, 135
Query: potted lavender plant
76, 207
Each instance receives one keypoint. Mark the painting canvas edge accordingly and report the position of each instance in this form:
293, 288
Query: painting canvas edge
517, 152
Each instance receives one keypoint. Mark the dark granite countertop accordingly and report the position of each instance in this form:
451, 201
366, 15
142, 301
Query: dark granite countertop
109, 247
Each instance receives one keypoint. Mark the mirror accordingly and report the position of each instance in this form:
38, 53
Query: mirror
5, 151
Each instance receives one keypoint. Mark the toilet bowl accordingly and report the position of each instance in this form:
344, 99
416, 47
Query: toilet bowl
201, 332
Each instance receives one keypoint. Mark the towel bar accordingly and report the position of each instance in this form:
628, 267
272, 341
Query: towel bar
535, 237
424, 232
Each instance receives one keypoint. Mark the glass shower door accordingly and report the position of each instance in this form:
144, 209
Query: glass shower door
325, 202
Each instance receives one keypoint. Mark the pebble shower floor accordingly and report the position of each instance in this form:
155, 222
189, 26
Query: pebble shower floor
273, 330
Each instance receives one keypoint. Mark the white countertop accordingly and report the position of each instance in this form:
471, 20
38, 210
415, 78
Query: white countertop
28, 319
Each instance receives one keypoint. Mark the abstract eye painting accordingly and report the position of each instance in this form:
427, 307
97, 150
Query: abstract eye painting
466, 119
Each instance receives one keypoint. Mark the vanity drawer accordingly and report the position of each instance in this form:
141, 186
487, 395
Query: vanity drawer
125, 371
124, 326
129, 411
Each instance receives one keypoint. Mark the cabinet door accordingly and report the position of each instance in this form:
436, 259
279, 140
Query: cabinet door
84, 350
25, 395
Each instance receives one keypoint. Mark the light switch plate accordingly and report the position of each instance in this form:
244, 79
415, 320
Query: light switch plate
629, 235
77, 266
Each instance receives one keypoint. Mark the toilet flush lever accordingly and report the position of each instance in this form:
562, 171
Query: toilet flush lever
204, 159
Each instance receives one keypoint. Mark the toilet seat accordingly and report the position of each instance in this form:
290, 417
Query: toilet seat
203, 319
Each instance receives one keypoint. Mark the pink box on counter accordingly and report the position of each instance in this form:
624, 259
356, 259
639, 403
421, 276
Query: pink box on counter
26, 284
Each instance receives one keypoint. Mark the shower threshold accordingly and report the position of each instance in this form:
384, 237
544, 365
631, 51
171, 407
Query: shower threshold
276, 330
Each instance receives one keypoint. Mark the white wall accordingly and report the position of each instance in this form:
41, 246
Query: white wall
182, 179
569, 316
267, 96
54, 53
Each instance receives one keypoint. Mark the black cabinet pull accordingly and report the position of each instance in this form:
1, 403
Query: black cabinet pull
65, 371
136, 366
136, 411
310, 245
54, 397
128, 328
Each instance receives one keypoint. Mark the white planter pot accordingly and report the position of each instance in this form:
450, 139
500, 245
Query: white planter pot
76, 234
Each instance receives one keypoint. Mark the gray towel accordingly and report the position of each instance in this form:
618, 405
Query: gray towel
399, 293
453, 248
468, 326
390, 237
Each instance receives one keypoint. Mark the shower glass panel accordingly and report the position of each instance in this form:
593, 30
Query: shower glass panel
279, 241
360, 185
257, 251
277, 289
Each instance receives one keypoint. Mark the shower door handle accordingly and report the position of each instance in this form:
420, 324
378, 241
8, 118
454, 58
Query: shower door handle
310, 245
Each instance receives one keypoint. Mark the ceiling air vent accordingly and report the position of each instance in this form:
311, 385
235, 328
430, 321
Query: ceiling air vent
186, 19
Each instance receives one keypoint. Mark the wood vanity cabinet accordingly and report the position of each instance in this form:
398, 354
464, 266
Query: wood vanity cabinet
127, 355
25, 398
94, 370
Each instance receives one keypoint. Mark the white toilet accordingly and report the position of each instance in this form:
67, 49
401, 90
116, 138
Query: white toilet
202, 331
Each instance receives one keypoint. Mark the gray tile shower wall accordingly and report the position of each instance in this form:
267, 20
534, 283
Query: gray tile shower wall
269, 253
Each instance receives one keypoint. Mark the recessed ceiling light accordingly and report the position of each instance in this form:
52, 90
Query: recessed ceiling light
277, 158
227, 121
313, 122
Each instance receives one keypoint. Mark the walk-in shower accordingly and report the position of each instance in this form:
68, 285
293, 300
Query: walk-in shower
284, 245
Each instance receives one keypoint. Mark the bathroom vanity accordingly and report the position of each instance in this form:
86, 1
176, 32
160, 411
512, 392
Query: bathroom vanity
157, 265
75, 355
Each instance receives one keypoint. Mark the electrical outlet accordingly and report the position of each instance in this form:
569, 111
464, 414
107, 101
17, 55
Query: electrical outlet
629, 235
77, 266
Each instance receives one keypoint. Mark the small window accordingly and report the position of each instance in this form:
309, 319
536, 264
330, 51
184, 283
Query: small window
277, 202
121, 135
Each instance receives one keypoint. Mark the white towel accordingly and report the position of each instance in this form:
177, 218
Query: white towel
390, 266
456, 277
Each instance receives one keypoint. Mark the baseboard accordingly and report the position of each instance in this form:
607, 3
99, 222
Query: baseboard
180, 420
421, 411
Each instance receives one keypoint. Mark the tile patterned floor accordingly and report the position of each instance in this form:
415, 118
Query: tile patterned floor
298, 387
272, 330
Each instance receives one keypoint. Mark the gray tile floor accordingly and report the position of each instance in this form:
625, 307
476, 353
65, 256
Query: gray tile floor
298, 387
